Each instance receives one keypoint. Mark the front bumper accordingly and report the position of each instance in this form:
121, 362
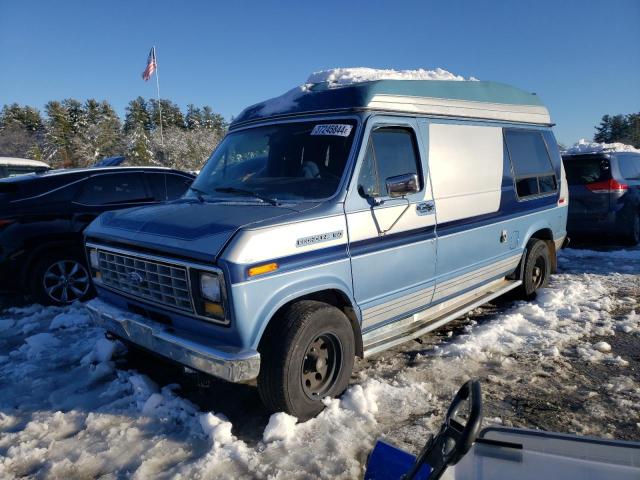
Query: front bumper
228, 363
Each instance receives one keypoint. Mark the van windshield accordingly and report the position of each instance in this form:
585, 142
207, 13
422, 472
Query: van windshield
287, 161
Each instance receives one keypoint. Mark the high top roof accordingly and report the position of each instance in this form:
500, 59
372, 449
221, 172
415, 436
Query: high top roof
470, 99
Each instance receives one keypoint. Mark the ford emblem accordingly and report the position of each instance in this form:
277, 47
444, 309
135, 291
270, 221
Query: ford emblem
136, 278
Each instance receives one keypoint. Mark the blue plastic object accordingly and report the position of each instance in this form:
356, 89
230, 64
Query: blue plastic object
387, 462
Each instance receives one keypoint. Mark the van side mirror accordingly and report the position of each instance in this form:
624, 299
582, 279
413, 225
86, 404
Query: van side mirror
402, 185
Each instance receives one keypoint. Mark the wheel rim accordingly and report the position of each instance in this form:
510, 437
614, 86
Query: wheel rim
321, 365
66, 281
539, 272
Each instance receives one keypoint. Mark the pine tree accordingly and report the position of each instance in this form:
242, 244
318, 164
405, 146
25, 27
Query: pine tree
213, 121
111, 139
171, 114
27, 116
193, 118
633, 121
58, 136
100, 135
603, 131
21, 132
139, 147
66, 125
137, 116
619, 128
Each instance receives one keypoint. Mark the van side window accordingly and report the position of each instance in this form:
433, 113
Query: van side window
391, 152
532, 168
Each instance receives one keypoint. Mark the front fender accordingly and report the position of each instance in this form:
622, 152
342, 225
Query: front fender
255, 302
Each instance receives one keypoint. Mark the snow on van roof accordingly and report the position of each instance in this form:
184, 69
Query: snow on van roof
348, 76
583, 147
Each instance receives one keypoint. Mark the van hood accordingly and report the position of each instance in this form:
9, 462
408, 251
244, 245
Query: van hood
184, 228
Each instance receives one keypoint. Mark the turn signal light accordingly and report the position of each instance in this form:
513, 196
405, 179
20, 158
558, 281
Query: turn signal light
260, 269
214, 309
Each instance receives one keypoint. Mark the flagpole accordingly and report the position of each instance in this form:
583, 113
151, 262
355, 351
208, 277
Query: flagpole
155, 57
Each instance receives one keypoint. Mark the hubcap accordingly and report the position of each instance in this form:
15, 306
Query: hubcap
321, 365
539, 272
66, 281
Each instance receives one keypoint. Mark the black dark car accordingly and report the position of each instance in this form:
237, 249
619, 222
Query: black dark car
42, 217
604, 194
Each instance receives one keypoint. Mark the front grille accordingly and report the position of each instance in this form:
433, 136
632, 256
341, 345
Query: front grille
150, 280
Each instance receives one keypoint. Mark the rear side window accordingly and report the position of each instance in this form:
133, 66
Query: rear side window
532, 168
582, 170
156, 181
629, 166
113, 189
391, 152
177, 185
168, 186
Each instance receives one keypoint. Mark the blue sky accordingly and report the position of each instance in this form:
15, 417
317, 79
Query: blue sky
581, 57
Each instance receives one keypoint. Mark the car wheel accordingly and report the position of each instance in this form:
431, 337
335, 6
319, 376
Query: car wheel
306, 356
60, 278
537, 268
632, 236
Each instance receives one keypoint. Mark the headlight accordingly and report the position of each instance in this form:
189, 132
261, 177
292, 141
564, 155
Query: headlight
93, 258
210, 287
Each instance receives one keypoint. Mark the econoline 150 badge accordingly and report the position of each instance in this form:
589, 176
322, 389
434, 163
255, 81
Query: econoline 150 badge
321, 237
335, 129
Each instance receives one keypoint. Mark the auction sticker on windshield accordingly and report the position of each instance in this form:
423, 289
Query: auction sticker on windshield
336, 129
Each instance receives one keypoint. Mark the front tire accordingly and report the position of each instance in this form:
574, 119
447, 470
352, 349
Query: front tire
537, 268
60, 278
307, 355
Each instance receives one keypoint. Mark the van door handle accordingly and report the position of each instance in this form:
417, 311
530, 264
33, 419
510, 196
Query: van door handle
426, 208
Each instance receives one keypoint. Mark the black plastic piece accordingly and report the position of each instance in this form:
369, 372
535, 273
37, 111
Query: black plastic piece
455, 438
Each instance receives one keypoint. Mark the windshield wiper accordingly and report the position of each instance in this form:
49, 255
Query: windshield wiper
248, 193
199, 193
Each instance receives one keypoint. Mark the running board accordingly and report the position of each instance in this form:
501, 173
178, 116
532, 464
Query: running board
390, 335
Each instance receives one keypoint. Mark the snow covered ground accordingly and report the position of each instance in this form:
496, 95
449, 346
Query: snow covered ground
73, 405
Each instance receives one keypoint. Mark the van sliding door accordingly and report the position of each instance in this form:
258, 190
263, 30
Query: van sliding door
469, 171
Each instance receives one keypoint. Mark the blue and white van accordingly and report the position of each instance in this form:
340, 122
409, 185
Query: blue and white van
334, 222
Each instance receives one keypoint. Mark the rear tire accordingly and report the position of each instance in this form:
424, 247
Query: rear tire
307, 355
632, 237
60, 277
537, 268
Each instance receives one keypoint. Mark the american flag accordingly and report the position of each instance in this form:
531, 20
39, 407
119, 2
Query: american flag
151, 65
